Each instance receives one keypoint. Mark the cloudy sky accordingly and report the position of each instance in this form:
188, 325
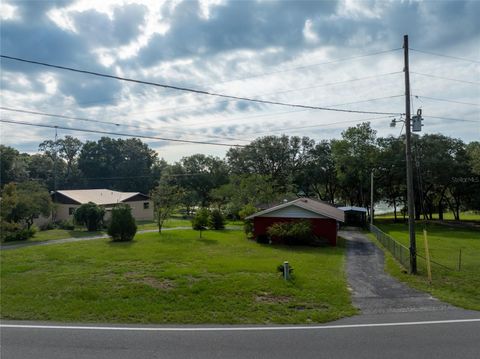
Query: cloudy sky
341, 54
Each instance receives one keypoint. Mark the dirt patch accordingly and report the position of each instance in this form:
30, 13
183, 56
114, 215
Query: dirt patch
272, 298
164, 284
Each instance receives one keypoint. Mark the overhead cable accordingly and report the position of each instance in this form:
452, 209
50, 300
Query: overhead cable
186, 89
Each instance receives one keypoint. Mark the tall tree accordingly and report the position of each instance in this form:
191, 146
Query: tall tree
389, 173
201, 174
278, 157
318, 177
125, 165
355, 157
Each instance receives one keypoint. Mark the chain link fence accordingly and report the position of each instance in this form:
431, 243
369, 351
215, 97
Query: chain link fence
398, 250
442, 258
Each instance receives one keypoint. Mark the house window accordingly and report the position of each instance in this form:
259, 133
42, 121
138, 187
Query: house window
146, 205
71, 210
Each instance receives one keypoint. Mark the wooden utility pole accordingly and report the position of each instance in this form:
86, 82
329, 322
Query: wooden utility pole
408, 152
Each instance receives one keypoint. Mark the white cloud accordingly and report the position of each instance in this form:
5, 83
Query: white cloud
269, 50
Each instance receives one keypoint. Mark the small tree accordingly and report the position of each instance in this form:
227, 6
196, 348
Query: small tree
200, 220
247, 223
216, 220
33, 201
166, 198
122, 225
90, 215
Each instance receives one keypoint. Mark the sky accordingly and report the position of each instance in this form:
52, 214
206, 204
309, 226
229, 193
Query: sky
341, 54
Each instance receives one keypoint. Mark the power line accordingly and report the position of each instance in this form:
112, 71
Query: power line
210, 136
105, 122
186, 89
56, 115
445, 100
297, 111
447, 56
325, 124
445, 78
273, 93
119, 134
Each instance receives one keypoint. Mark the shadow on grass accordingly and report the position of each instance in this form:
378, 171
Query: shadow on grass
208, 241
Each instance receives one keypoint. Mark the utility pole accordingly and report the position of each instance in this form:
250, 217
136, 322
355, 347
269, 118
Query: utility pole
408, 152
371, 198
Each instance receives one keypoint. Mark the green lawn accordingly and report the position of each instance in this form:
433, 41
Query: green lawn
459, 287
53, 234
174, 278
448, 216
178, 222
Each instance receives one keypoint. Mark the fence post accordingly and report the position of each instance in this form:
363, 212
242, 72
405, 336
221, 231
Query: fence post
427, 256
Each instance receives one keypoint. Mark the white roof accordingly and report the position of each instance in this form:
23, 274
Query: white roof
98, 196
353, 208
321, 208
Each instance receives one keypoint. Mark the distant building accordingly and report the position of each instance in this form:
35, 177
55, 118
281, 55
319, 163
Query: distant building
355, 216
324, 217
67, 201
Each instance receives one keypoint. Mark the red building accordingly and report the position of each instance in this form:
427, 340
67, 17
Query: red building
324, 217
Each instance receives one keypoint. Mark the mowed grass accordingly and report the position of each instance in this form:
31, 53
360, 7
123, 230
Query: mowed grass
447, 216
457, 285
174, 278
54, 234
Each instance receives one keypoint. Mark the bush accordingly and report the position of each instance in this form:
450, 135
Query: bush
298, 232
66, 224
200, 220
15, 233
216, 220
90, 215
248, 223
47, 226
122, 225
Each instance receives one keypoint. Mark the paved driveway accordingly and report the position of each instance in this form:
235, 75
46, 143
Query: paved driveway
373, 290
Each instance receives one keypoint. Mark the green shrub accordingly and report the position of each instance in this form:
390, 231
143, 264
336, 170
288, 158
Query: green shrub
89, 215
66, 224
47, 226
200, 219
248, 223
122, 226
297, 232
14, 232
216, 220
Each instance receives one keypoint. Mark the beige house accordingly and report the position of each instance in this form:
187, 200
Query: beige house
67, 201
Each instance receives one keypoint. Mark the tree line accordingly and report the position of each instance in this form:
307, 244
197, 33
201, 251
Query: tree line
268, 170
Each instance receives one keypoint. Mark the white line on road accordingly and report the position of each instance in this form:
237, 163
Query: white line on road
226, 329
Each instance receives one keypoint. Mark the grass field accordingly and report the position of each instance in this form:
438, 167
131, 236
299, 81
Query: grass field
459, 287
174, 278
53, 234
448, 216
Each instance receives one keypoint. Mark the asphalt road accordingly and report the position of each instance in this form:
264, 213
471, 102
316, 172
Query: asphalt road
343, 339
